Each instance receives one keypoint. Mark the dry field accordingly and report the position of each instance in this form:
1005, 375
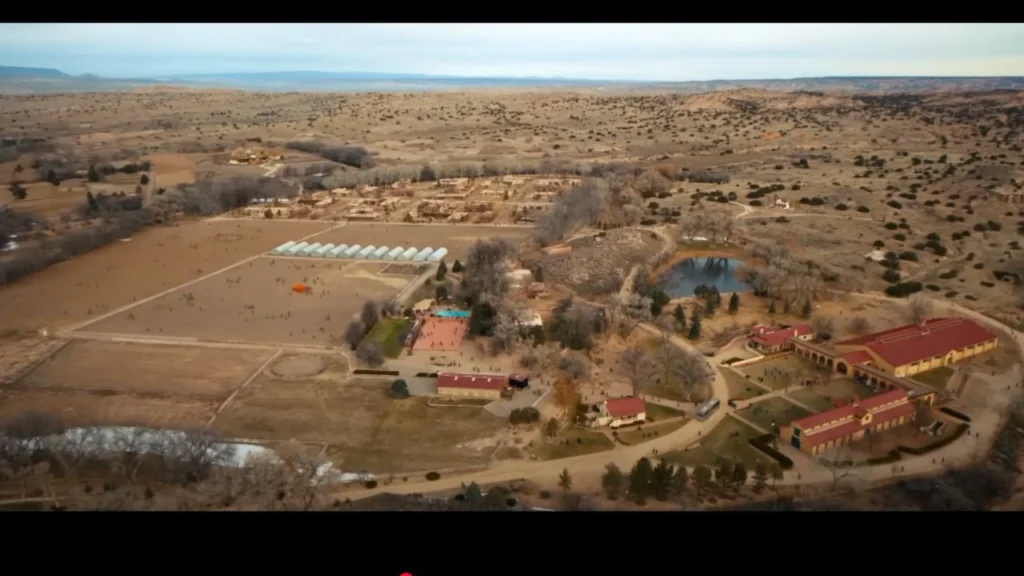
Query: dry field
75, 408
366, 430
150, 370
457, 239
255, 303
155, 259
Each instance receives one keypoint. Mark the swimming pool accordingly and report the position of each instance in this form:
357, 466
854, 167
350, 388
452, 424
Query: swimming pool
452, 313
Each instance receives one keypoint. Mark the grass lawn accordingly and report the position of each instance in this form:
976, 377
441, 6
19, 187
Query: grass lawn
637, 435
820, 397
728, 441
778, 373
739, 387
573, 442
657, 412
937, 378
387, 333
778, 410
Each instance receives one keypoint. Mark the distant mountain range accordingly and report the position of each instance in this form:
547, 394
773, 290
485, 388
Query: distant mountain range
15, 80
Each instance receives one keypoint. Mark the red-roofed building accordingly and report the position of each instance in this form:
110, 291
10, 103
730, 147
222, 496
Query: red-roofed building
850, 422
616, 412
915, 348
769, 339
487, 386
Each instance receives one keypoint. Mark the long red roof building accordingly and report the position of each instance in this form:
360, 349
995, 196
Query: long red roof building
851, 419
916, 342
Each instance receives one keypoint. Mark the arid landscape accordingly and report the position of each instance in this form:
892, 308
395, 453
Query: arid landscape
138, 287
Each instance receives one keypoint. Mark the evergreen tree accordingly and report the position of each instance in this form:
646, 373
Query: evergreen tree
442, 270
734, 303
771, 307
93, 175
806, 311
661, 480
680, 316
144, 180
640, 479
457, 267
94, 206
760, 477
473, 492
612, 481
739, 474
565, 481
695, 328
680, 481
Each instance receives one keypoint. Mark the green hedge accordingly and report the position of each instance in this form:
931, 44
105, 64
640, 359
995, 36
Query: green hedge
955, 414
889, 458
764, 444
940, 444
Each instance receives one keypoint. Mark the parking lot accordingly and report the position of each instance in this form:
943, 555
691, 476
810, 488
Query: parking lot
522, 398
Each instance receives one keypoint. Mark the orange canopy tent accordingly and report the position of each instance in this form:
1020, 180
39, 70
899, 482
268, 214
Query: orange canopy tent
300, 288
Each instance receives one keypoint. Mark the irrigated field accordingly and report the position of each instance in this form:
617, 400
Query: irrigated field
366, 429
115, 367
156, 259
457, 239
255, 303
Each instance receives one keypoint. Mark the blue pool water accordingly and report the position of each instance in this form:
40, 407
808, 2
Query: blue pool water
452, 313
686, 275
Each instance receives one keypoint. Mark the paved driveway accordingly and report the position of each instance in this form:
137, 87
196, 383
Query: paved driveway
522, 398
421, 386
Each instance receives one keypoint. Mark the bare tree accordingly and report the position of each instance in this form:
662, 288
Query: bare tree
507, 331
575, 367
486, 273
369, 314
859, 325
840, 462
308, 475
191, 455
824, 326
354, 333
684, 369
72, 449
637, 366
126, 450
370, 354
919, 308
629, 311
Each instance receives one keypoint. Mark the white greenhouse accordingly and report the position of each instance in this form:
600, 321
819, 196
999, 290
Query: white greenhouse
281, 249
366, 251
337, 251
394, 253
378, 253
438, 255
296, 248
322, 251
422, 254
407, 255
351, 251
309, 250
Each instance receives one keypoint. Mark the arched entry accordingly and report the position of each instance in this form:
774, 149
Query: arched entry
841, 367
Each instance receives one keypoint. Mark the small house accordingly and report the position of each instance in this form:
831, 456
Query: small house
617, 412
485, 386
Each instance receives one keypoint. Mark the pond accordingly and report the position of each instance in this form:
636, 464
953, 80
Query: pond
684, 276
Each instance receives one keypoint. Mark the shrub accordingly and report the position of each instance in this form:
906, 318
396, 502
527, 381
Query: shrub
951, 294
863, 209
954, 436
894, 204
763, 443
526, 415
432, 476
399, 389
842, 207
891, 226
903, 289
901, 237
955, 413
892, 456
370, 484
891, 276
987, 284
932, 287
544, 494
909, 256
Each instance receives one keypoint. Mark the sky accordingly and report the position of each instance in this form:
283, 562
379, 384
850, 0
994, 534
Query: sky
646, 52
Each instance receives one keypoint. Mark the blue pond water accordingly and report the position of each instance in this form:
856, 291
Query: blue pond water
452, 313
686, 275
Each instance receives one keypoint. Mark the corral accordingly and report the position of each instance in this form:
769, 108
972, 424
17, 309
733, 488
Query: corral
457, 239
94, 409
365, 429
158, 258
255, 303
115, 367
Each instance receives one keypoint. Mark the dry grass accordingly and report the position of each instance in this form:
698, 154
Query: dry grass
728, 441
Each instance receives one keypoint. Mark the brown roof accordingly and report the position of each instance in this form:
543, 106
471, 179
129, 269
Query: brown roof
934, 337
625, 407
471, 381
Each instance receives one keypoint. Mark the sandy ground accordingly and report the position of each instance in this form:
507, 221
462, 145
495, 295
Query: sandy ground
255, 303
88, 409
117, 367
155, 259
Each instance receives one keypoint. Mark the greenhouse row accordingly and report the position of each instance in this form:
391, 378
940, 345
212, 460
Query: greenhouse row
358, 252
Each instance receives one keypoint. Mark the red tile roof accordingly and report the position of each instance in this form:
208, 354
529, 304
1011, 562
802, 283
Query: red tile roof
850, 410
471, 381
774, 336
935, 337
857, 357
625, 407
854, 425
